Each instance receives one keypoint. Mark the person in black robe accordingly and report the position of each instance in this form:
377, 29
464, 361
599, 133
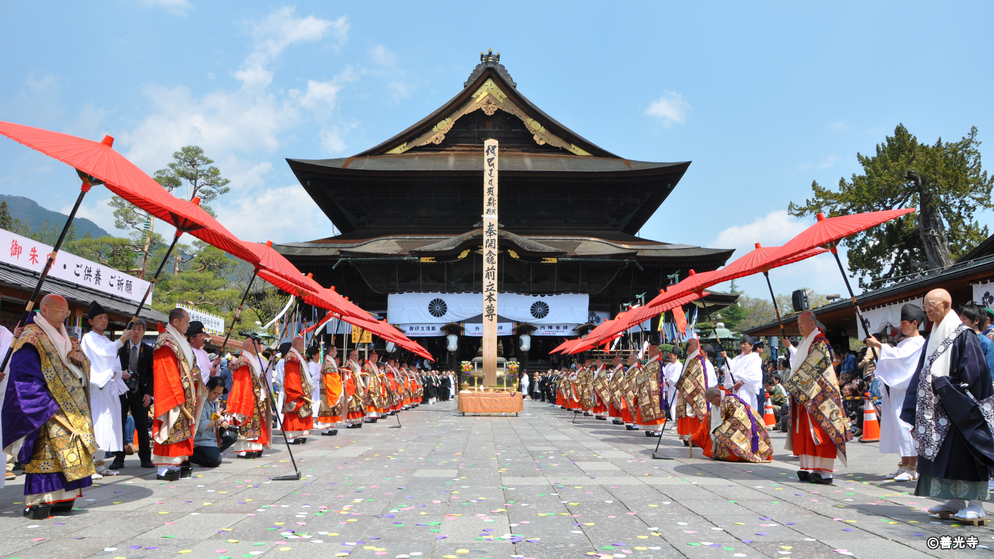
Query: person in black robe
950, 405
444, 388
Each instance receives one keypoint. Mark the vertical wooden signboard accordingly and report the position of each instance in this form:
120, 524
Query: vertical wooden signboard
490, 263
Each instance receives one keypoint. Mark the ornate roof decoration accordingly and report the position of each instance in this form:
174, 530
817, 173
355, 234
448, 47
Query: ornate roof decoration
490, 60
488, 98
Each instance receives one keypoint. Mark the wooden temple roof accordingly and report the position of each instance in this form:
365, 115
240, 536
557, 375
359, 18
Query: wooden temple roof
428, 177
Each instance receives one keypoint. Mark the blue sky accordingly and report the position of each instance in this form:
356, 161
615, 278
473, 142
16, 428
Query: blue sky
762, 100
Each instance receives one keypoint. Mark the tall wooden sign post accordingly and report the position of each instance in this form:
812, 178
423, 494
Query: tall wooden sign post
490, 263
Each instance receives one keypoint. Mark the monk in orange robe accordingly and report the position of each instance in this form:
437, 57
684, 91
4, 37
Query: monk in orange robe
297, 410
331, 388
248, 402
355, 392
177, 404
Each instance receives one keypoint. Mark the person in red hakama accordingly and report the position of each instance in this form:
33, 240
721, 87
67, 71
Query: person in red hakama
818, 428
650, 414
298, 417
177, 404
355, 392
617, 402
331, 388
698, 375
248, 402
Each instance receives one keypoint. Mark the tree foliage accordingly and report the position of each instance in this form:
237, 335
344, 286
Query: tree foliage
759, 310
955, 188
191, 167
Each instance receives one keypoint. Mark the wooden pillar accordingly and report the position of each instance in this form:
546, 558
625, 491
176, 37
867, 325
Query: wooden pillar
490, 262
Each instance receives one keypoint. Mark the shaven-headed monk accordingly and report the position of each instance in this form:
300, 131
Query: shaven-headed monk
46, 413
248, 402
819, 427
949, 403
732, 431
297, 414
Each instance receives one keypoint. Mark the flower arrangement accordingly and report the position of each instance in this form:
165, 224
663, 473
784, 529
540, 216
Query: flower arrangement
512, 367
467, 367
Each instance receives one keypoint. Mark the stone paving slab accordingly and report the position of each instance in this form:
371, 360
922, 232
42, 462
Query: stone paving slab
447, 486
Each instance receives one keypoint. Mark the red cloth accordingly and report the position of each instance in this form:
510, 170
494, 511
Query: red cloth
687, 425
168, 391
626, 416
294, 393
803, 443
241, 398
167, 388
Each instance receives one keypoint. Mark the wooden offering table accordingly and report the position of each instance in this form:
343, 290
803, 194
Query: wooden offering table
472, 401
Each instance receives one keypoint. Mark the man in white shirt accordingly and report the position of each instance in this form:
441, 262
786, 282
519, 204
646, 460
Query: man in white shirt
106, 386
895, 367
198, 338
744, 373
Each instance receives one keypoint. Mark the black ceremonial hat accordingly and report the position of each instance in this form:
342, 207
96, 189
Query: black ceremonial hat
746, 338
95, 310
912, 312
196, 327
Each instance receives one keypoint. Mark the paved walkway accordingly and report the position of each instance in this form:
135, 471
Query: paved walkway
534, 486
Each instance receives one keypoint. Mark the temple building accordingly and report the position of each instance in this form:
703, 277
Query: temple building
409, 215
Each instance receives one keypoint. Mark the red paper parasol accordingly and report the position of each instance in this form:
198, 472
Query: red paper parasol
98, 163
827, 232
639, 315
563, 345
594, 338
763, 259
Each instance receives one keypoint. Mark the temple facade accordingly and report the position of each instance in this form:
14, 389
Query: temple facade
409, 213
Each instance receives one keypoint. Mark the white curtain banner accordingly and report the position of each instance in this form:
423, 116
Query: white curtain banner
888, 315
983, 293
441, 308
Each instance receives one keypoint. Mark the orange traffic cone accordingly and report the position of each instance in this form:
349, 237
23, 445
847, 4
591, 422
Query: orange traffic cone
768, 416
871, 427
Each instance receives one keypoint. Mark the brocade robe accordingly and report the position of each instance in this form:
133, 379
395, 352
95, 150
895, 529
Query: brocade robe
740, 437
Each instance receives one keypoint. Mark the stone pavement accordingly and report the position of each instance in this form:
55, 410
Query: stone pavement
535, 486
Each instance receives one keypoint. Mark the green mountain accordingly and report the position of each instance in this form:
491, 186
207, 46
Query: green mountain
32, 215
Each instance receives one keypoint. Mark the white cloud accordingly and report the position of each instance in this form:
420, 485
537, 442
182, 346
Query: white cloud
819, 273
246, 120
279, 30
671, 108
332, 141
773, 229
382, 56
276, 214
242, 127
176, 7
839, 126
826, 163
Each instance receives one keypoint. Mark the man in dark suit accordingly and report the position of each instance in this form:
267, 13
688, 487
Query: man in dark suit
136, 361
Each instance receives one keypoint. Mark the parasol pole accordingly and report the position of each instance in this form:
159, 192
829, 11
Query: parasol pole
179, 231
859, 313
279, 420
239, 311
773, 297
151, 283
88, 183
717, 339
